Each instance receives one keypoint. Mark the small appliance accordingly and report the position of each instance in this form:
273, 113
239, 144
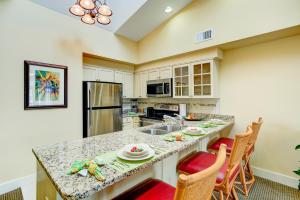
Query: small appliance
159, 88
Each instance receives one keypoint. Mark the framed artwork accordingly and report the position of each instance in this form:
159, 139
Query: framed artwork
45, 85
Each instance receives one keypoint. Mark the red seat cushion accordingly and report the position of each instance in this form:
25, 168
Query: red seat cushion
203, 160
150, 189
216, 145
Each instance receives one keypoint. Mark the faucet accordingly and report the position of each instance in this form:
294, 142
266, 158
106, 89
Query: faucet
178, 119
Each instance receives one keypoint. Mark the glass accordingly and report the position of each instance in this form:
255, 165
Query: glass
197, 90
197, 69
207, 90
177, 91
185, 81
185, 91
178, 81
185, 71
197, 80
206, 68
206, 79
178, 71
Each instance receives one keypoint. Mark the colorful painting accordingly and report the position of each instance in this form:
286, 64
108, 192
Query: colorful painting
45, 85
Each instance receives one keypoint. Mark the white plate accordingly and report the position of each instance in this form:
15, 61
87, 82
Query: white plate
128, 147
121, 155
194, 129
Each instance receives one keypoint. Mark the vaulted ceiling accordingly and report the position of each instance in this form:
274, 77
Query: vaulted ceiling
133, 19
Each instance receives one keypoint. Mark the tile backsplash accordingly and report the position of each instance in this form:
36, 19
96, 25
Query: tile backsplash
210, 106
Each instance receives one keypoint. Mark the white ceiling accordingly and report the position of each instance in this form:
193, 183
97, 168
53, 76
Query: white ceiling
133, 19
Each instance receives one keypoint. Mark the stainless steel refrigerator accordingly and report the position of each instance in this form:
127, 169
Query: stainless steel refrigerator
102, 108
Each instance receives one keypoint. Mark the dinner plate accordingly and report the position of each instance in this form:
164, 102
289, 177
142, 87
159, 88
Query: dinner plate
150, 151
127, 149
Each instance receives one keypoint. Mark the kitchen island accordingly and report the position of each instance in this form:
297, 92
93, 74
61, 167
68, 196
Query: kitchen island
53, 162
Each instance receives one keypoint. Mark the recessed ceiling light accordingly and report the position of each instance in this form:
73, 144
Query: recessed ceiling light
168, 9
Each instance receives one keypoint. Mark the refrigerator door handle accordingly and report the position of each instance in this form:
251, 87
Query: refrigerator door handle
90, 113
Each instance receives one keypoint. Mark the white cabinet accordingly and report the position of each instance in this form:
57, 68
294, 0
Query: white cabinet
196, 80
160, 73
98, 74
106, 75
127, 81
165, 72
128, 85
109, 75
140, 84
90, 74
153, 74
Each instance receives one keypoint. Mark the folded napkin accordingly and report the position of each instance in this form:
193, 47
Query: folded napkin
90, 165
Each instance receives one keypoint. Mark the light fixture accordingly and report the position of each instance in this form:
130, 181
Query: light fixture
92, 10
168, 9
103, 20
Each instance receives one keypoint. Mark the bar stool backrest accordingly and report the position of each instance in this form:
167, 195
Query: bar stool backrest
255, 127
199, 186
239, 146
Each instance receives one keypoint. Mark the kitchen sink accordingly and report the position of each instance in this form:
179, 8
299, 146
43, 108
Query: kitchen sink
161, 130
169, 128
154, 131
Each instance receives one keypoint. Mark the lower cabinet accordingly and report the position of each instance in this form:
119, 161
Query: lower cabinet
131, 122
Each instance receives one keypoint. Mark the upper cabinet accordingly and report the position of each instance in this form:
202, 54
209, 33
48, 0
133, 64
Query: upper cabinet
110, 75
127, 80
98, 74
160, 73
196, 80
140, 84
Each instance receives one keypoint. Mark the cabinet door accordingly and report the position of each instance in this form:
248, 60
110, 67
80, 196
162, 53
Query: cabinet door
137, 85
89, 74
181, 81
128, 85
143, 82
165, 72
153, 75
106, 75
119, 77
202, 79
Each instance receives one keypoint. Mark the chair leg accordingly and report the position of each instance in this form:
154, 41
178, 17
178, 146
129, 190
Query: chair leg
243, 181
221, 195
235, 196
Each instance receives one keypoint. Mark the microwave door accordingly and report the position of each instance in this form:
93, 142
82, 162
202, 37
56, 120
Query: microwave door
154, 89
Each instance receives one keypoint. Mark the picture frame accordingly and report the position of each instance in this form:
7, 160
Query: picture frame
45, 85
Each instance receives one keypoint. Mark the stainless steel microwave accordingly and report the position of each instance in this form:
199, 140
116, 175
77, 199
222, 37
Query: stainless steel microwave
159, 88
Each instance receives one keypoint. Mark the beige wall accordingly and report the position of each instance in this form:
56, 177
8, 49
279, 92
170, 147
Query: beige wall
32, 32
263, 80
230, 20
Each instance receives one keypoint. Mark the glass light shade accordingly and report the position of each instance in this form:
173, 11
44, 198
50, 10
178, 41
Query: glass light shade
87, 18
105, 10
103, 20
76, 10
87, 4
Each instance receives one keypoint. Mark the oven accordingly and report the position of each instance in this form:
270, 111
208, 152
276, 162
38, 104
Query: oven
159, 88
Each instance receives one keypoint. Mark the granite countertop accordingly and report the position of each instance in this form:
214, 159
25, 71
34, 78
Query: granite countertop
56, 159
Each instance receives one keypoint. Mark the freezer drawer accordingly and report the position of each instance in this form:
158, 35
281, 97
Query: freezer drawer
103, 121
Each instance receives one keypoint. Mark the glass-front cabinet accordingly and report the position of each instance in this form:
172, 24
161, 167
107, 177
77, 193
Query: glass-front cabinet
196, 80
181, 81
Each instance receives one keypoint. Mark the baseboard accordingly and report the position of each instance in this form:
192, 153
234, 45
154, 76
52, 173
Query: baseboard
16, 183
276, 177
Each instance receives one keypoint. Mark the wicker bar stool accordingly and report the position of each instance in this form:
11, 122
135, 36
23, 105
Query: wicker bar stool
214, 147
197, 186
228, 172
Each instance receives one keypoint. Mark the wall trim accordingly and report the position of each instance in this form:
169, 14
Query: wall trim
276, 177
16, 183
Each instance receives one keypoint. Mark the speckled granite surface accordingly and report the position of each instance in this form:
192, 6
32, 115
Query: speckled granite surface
57, 158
